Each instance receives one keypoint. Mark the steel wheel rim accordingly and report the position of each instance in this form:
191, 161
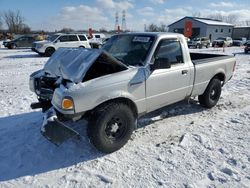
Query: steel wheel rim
115, 128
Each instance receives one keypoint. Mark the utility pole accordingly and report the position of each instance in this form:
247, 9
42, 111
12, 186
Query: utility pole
124, 25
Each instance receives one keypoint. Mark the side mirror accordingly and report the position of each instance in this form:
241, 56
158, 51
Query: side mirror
58, 40
161, 63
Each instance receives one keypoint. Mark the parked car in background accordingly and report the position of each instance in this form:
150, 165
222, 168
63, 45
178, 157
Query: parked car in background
199, 42
247, 47
56, 41
97, 40
239, 41
20, 42
222, 41
245, 43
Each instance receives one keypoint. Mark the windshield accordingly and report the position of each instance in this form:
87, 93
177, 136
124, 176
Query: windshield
52, 37
221, 38
196, 39
129, 49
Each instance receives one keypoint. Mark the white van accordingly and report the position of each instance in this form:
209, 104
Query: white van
56, 41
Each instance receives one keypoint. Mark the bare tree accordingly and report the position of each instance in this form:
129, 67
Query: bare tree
247, 22
162, 28
66, 30
216, 16
103, 30
25, 29
152, 28
231, 18
14, 21
196, 14
155, 28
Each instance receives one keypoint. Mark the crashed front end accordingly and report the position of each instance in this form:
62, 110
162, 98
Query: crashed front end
47, 89
53, 86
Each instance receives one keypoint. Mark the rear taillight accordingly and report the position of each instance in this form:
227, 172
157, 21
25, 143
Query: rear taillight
234, 66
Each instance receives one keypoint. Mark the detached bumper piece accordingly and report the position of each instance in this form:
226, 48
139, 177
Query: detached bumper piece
56, 131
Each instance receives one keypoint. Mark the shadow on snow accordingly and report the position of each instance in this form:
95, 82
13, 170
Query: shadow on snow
24, 151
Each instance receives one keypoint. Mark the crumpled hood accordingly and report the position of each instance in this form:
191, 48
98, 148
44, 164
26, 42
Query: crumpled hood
73, 63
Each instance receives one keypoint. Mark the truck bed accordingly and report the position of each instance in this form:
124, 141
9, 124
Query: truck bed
199, 58
208, 65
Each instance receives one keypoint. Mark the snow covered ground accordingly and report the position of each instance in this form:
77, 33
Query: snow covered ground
183, 145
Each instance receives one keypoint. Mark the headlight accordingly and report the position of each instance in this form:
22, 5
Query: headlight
39, 45
32, 84
67, 104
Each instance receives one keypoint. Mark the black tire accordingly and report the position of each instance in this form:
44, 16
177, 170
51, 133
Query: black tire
12, 46
41, 54
49, 51
111, 127
81, 46
212, 94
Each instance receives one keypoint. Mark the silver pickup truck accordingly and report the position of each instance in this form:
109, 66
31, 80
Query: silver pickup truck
133, 74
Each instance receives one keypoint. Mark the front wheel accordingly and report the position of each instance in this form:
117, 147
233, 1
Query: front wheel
49, 51
212, 94
111, 127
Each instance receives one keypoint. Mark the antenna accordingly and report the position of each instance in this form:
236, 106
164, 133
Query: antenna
124, 26
116, 21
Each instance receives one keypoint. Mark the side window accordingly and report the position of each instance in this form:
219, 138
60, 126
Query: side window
82, 38
64, 38
169, 49
97, 36
73, 38
22, 39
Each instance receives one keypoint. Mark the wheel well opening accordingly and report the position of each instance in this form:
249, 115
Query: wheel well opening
126, 101
50, 47
221, 77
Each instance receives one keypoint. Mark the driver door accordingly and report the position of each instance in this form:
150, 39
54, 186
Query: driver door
168, 85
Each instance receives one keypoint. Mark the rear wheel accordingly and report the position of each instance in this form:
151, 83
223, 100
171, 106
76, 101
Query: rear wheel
111, 127
212, 94
49, 51
12, 46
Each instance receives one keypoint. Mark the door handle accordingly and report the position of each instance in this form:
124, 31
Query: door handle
184, 72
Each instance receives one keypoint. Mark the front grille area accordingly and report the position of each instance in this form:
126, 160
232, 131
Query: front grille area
45, 86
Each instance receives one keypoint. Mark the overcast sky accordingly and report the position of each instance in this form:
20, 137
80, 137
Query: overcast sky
82, 14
